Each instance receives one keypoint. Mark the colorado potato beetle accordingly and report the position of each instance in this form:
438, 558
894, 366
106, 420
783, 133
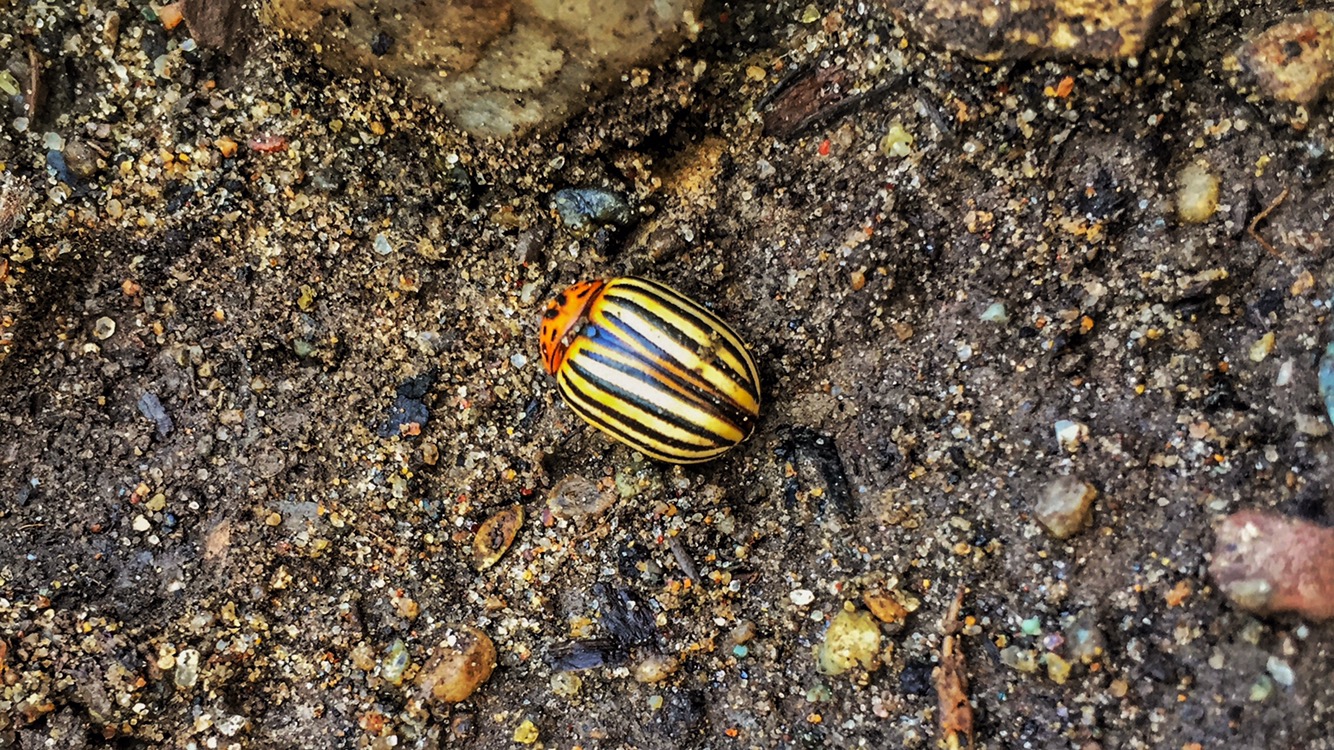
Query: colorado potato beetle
651, 368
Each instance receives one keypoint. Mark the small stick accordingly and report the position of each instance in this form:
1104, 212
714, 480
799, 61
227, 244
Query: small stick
34, 83
951, 676
1261, 217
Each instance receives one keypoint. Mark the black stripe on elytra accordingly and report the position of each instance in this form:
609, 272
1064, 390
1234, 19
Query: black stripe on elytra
616, 332
689, 309
586, 407
705, 399
684, 339
620, 394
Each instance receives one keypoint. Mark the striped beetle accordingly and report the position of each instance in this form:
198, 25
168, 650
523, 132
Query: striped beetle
651, 368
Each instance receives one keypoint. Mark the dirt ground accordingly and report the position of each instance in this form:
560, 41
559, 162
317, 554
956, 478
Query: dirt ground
238, 275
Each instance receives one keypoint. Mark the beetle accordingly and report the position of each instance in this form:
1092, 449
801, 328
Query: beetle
650, 367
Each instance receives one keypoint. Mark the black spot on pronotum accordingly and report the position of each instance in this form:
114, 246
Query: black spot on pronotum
561, 299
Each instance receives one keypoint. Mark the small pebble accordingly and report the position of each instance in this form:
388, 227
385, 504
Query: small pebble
1085, 639
898, 142
582, 209
1281, 671
801, 597
655, 668
995, 313
1058, 669
459, 663
1071, 435
1261, 689
852, 638
742, 633
395, 662
104, 328
1197, 193
187, 669
1020, 659
1261, 348
151, 407
526, 733
1065, 505
885, 606
1291, 61
1325, 379
578, 499
566, 684
495, 536
141, 524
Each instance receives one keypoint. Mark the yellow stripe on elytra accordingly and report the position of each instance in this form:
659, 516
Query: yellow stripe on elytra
744, 367
625, 432
641, 292
663, 402
607, 312
684, 401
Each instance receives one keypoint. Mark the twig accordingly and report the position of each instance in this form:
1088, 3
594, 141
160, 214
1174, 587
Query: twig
1261, 217
34, 83
849, 104
951, 676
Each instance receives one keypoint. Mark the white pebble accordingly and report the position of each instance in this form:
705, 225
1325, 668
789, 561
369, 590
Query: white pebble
1280, 671
801, 597
104, 328
1071, 434
995, 313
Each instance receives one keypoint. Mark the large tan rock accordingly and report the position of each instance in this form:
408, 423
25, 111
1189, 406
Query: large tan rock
1291, 61
498, 67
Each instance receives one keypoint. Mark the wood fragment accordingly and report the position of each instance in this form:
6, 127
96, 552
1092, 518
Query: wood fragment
1261, 217
955, 716
804, 97
35, 91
